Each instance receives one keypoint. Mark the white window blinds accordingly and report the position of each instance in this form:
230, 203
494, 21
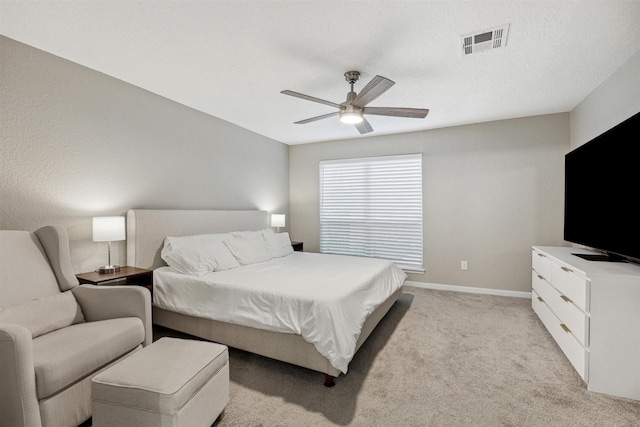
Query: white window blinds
373, 207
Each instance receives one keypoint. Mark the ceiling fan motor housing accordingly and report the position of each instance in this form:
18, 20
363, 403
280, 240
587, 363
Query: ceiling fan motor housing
350, 113
350, 97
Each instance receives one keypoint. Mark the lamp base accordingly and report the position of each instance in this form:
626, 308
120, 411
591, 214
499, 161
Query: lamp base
108, 269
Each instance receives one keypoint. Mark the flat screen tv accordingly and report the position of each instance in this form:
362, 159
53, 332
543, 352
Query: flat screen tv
602, 193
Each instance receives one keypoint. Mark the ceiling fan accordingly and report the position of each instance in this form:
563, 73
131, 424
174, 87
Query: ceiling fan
355, 107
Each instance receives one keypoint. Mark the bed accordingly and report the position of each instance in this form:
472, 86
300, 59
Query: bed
285, 338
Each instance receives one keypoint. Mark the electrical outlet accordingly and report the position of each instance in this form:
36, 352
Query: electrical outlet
463, 265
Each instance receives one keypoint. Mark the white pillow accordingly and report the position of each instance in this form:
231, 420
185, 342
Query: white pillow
246, 234
249, 251
198, 259
279, 244
171, 243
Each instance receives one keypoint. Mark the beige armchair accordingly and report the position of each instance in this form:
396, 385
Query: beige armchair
56, 335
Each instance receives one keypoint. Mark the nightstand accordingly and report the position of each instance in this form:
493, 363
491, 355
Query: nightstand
297, 246
126, 276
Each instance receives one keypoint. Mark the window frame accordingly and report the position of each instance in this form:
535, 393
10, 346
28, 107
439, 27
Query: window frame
372, 228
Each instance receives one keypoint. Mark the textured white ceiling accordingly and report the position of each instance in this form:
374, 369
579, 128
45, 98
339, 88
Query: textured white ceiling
231, 59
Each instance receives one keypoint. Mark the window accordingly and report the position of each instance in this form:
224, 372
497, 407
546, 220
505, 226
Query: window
373, 207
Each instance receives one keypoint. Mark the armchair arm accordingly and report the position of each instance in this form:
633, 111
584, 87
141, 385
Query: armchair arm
109, 302
18, 399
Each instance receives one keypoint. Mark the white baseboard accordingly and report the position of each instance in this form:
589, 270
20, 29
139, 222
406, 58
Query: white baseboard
469, 289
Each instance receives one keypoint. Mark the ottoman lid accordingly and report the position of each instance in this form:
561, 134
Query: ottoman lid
161, 377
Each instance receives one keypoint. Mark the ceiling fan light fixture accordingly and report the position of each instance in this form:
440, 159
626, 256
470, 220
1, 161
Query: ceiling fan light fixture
351, 117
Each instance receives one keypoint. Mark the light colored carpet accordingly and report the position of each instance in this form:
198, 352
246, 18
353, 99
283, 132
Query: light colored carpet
438, 358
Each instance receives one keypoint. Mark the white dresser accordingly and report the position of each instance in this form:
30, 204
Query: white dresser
592, 310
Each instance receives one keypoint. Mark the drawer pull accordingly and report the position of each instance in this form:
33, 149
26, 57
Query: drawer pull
567, 269
541, 255
563, 326
565, 298
540, 299
540, 277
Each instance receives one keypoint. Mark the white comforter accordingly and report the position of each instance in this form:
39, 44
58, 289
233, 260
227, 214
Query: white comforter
325, 298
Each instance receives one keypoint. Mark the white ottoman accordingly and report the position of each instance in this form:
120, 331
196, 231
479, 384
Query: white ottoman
172, 382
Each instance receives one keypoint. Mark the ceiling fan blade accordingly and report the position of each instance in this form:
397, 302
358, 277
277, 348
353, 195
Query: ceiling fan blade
376, 87
313, 119
364, 126
415, 113
310, 98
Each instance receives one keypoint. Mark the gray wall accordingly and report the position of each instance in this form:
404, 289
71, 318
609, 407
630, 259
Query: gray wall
615, 100
491, 191
77, 143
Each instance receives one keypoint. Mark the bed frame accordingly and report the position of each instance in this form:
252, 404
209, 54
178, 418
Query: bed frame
146, 230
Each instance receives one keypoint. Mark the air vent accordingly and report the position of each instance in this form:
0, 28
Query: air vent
482, 41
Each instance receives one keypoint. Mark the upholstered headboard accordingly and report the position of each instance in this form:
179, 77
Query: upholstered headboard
147, 228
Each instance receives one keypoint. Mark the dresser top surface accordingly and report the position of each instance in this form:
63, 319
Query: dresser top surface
566, 255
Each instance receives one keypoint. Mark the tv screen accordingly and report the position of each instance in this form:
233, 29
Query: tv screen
602, 192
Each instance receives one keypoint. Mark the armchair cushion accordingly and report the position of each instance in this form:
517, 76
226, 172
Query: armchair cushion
45, 314
25, 272
68, 355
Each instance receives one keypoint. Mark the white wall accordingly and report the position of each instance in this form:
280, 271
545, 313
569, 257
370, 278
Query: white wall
491, 191
77, 144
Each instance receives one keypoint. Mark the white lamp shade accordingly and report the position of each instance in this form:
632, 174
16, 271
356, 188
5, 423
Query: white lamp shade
277, 220
108, 229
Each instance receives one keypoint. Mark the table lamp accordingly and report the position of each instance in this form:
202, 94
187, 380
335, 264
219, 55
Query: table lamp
277, 220
108, 229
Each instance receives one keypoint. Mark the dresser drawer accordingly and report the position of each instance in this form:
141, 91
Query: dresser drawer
575, 352
571, 284
541, 264
568, 313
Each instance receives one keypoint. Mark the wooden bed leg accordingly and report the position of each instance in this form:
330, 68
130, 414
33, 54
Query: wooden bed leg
329, 381
219, 419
